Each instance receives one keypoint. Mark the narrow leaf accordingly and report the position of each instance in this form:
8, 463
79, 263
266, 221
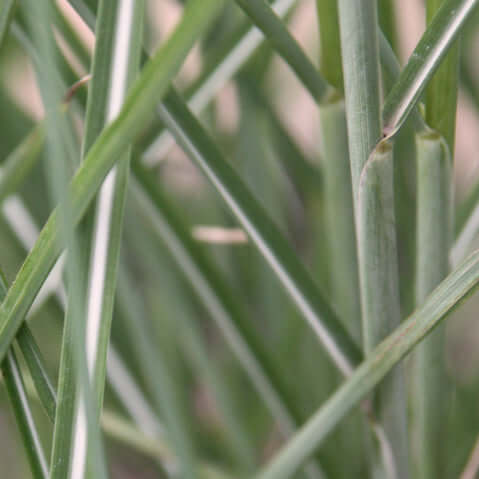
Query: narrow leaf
373, 192
430, 392
20, 162
265, 18
441, 93
36, 366
275, 249
18, 398
424, 61
137, 110
445, 298
23, 414
158, 141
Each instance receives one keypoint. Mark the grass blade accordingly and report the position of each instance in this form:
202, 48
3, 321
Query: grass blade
262, 231
215, 76
101, 158
20, 162
434, 204
424, 61
337, 178
330, 43
23, 414
264, 17
62, 155
36, 366
114, 66
361, 75
174, 102
444, 299
441, 102
373, 188
431, 396
18, 398
119, 377
110, 204
441, 93
211, 288
377, 254
340, 215
157, 377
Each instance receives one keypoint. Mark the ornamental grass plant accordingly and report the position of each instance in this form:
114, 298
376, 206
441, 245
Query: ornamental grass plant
238, 239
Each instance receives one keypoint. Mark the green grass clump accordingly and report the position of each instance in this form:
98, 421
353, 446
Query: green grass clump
211, 295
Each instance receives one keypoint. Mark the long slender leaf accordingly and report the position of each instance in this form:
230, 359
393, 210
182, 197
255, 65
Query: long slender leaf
216, 75
110, 204
211, 288
340, 215
114, 66
330, 43
157, 377
233, 58
264, 17
430, 393
424, 61
20, 162
445, 298
373, 188
62, 153
337, 177
36, 366
18, 398
135, 113
359, 44
377, 254
441, 93
23, 414
119, 377
262, 231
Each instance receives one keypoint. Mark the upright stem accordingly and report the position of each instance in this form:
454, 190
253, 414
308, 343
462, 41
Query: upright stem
340, 216
373, 188
380, 296
434, 233
433, 241
337, 177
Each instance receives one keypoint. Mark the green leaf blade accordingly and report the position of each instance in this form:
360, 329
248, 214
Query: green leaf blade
445, 298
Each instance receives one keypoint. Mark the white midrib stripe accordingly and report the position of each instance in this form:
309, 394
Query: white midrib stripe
101, 232
101, 235
120, 378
